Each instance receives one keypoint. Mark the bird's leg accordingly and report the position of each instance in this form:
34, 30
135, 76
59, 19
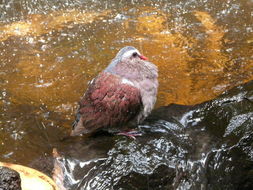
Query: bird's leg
131, 134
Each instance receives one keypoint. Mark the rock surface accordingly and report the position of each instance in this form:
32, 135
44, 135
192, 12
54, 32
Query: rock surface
205, 146
9, 179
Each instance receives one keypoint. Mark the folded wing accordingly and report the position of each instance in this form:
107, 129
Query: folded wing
109, 101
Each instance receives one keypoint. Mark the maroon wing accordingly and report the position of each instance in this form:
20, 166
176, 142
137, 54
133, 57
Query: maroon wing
107, 103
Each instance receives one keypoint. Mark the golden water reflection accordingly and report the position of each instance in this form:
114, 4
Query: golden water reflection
191, 69
37, 25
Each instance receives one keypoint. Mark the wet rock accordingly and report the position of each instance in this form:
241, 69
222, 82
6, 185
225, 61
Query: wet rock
9, 179
106, 160
153, 180
205, 146
227, 159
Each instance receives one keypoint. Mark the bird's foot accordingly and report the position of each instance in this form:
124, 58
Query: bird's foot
131, 134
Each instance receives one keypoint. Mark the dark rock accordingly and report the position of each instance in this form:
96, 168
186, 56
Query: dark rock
205, 146
9, 179
153, 180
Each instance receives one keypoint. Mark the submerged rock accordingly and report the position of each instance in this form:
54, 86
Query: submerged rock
9, 179
205, 146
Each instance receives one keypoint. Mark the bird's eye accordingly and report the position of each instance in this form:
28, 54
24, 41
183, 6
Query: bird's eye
135, 54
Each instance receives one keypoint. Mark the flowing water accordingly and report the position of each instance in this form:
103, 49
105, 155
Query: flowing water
50, 50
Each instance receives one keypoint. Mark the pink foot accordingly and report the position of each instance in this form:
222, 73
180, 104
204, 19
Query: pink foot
130, 134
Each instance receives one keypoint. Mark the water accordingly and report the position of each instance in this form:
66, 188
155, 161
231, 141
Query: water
49, 50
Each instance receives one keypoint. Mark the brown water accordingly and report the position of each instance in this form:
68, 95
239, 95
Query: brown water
50, 50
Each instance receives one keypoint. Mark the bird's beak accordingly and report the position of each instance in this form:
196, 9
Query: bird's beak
143, 57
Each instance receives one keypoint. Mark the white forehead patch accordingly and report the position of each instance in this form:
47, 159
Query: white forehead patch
130, 53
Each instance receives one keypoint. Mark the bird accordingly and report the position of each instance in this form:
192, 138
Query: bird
121, 95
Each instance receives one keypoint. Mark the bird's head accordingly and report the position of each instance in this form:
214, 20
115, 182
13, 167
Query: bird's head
129, 53
126, 54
